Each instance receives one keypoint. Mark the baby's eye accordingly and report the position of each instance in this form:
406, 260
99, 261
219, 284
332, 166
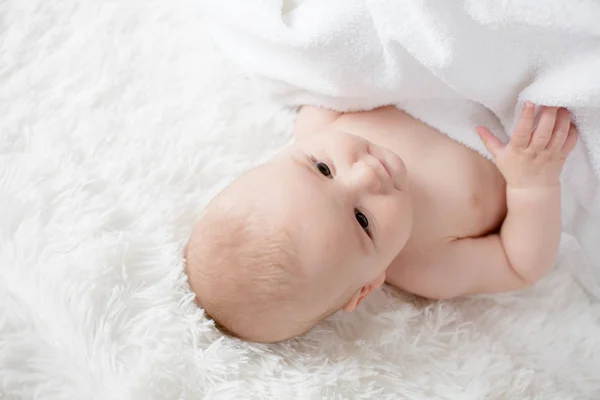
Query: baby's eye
362, 220
324, 169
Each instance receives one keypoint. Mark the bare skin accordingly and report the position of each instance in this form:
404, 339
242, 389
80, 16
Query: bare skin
477, 226
373, 197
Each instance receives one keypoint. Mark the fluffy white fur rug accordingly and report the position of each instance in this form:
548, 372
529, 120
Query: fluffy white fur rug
118, 120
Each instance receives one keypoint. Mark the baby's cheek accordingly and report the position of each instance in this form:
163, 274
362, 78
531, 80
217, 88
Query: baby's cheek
398, 227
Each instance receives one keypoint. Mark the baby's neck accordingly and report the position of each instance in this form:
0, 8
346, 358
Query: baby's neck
394, 130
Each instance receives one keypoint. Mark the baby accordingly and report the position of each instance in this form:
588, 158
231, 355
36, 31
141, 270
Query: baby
364, 198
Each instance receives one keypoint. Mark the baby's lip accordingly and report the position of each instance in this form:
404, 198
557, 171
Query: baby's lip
393, 166
388, 170
386, 167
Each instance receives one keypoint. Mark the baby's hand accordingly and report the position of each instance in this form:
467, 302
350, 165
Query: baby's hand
534, 158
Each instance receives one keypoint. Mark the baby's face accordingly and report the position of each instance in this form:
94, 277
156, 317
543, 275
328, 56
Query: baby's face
344, 201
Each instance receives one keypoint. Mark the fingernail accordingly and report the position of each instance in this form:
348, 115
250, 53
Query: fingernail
528, 104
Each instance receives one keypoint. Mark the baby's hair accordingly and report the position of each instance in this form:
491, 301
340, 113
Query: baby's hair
240, 269
223, 329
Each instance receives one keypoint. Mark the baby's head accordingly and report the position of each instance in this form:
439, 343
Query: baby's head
308, 233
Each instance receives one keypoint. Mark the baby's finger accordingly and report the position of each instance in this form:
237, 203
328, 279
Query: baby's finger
524, 128
543, 132
561, 130
571, 140
490, 141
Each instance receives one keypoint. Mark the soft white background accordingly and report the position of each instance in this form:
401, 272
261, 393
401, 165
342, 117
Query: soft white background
118, 120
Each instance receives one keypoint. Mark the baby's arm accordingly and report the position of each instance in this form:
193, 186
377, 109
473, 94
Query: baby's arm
312, 119
531, 164
526, 247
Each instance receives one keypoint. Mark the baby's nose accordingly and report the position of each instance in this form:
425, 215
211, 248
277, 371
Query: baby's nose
364, 178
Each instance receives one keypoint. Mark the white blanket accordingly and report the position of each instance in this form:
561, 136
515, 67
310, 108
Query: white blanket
452, 64
118, 120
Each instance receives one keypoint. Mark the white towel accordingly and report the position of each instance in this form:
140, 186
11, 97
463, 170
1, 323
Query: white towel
452, 64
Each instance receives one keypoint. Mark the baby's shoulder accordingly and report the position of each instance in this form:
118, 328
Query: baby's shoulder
311, 119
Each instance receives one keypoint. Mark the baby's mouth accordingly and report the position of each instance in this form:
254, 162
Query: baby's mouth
395, 169
391, 165
386, 168
388, 171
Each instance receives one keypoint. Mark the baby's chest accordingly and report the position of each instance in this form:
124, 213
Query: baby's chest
461, 207
468, 199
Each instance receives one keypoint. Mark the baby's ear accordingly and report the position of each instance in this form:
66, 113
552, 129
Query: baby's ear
363, 293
